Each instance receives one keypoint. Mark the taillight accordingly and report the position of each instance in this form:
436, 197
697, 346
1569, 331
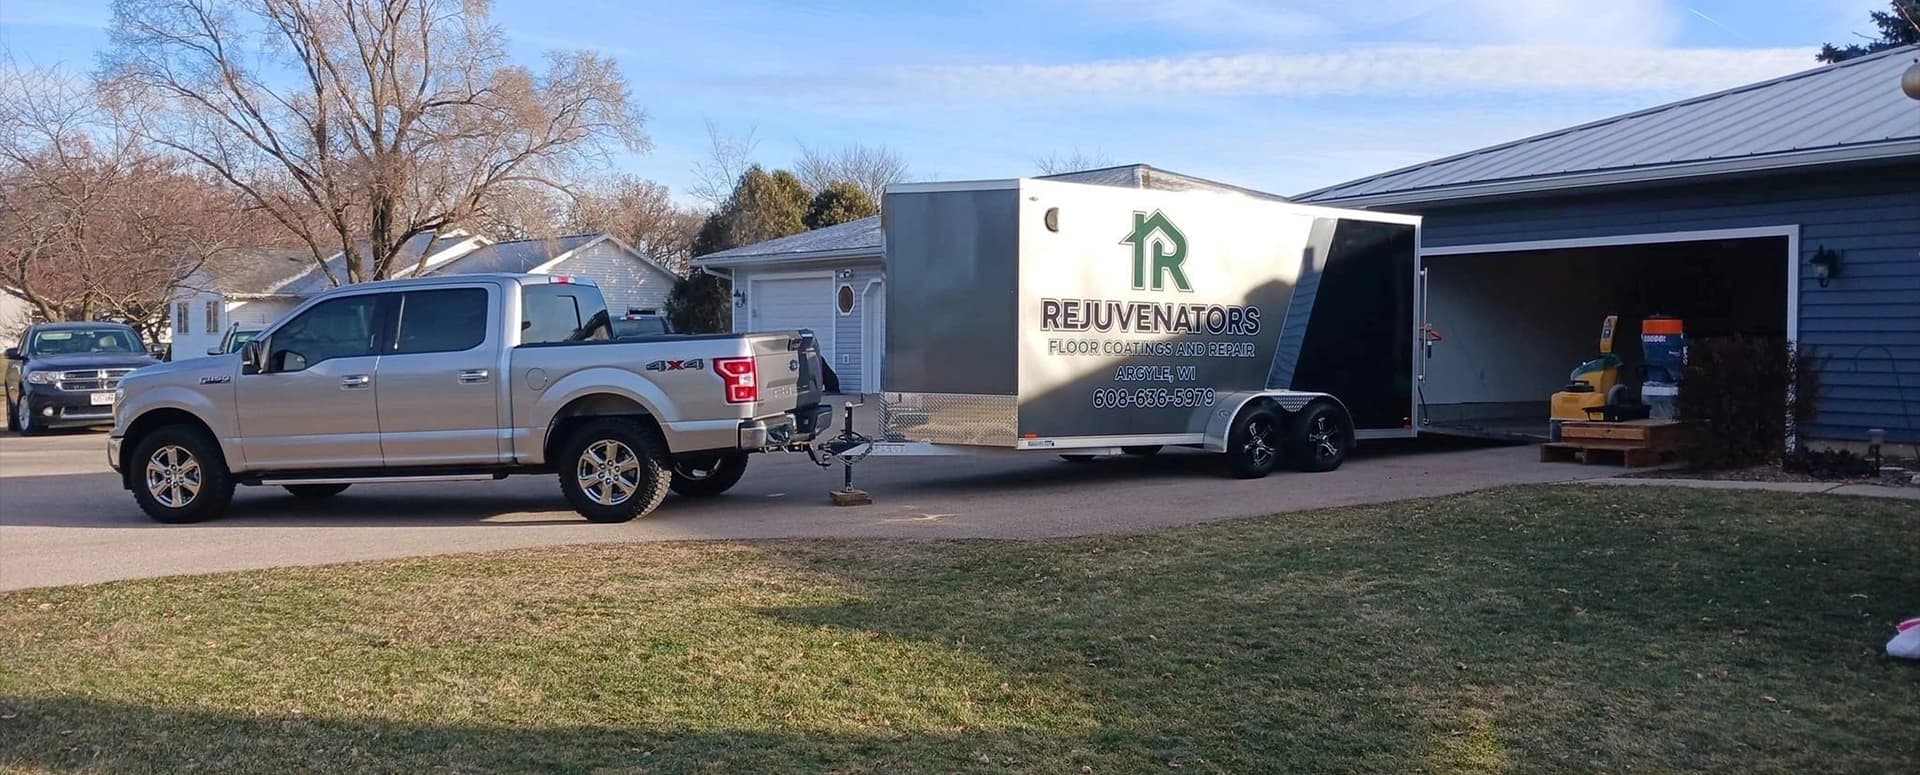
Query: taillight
738, 375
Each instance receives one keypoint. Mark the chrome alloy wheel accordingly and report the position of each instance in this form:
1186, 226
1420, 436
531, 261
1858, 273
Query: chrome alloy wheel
608, 472
173, 477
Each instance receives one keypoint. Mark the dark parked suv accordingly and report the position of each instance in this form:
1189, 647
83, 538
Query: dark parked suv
63, 375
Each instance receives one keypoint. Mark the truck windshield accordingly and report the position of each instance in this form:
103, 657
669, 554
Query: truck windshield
561, 312
72, 341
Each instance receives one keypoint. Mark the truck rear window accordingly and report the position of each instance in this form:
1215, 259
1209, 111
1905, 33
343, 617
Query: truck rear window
556, 312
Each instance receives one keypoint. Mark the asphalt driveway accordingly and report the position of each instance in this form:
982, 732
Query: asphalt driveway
65, 520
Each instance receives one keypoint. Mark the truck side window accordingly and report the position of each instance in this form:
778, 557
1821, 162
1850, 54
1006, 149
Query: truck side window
336, 328
561, 312
442, 321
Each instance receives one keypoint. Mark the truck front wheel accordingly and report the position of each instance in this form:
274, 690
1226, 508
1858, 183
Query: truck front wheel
614, 469
179, 476
699, 476
1319, 439
1253, 446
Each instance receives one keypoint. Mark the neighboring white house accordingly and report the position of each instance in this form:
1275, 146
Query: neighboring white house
252, 289
833, 280
15, 314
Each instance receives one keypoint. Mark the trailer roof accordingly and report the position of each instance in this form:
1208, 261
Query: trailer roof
862, 238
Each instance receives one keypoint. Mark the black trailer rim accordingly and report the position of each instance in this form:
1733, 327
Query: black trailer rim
1259, 446
1324, 439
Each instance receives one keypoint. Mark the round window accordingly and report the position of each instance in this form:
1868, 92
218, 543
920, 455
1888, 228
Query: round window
845, 299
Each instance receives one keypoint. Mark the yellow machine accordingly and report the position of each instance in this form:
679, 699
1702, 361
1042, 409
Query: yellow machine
1594, 384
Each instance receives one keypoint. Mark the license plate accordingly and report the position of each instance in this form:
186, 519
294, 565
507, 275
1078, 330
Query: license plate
102, 399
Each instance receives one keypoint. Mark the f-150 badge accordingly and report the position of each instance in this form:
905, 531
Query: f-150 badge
221, 379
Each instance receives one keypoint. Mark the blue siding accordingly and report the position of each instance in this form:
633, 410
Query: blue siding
848, 346
1863, 329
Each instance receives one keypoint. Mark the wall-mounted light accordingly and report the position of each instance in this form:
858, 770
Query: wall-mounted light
846, 274
1910, 80
739, 298
1826, 264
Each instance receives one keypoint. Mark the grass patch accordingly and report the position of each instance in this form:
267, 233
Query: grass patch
1538, 629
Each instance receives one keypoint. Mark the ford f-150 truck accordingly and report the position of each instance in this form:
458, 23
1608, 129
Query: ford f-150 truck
474, 376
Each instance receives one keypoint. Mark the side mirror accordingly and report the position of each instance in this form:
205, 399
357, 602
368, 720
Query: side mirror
250, 355
14, 354
215, 351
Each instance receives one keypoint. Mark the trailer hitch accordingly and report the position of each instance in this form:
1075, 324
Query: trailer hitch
848, 448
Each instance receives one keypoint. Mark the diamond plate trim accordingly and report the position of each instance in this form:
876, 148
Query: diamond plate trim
949, 418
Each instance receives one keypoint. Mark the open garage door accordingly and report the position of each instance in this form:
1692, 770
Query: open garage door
778, 303
1513, 324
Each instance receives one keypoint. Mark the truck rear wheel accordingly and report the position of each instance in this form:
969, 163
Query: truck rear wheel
1253, 446
614, 469
179, 476
1319, 439
699, 476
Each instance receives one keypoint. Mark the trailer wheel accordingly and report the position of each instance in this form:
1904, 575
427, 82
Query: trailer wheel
699, 476
1144, 450
1253, 446
1319, 439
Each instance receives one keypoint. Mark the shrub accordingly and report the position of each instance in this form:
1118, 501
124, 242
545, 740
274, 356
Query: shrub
1748, 394
1829, 464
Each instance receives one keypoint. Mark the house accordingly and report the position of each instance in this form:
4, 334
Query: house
253, 288
15, 314
833, 280
1786, 208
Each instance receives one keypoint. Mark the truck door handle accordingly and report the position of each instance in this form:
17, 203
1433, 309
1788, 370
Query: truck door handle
355, 381
473, 376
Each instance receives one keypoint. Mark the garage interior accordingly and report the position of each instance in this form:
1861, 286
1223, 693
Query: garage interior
1513, 325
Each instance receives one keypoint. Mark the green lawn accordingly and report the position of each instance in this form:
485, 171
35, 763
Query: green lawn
1528, 630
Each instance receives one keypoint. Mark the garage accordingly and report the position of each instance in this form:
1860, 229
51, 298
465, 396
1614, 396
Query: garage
1787, 209
1510, 321
776, 302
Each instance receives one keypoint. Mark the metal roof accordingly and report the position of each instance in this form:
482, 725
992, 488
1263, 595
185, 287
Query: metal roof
862, 238
1853, 110
516, 256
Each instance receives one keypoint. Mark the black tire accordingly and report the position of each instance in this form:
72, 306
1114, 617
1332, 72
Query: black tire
1144, 450
700, 476
198, 484
13, 417
1319, 438
1253, 445
23, 418
315, 491
617, 494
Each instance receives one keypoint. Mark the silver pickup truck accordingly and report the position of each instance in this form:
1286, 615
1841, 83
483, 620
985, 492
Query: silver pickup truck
474, 376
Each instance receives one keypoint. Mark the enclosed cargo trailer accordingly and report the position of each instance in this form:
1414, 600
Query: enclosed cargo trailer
1083, 320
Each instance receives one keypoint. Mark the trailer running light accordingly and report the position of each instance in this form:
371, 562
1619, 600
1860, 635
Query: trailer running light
738, 374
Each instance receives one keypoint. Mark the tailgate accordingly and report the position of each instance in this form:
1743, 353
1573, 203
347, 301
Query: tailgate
788, 366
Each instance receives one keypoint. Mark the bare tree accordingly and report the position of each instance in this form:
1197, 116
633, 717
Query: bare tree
728, 157
641, 213
870, 167
94, 222
1076, 160
360, 124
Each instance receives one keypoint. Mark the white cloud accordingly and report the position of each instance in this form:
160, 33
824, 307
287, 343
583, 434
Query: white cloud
1396, 70
1493, 22
1608, 23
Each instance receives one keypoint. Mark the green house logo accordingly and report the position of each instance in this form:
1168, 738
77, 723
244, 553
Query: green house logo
1159, 250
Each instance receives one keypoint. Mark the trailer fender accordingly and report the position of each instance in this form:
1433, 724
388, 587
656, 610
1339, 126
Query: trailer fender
1228, 406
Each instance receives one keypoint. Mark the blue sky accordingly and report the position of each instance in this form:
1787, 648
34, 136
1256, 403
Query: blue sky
1282, 96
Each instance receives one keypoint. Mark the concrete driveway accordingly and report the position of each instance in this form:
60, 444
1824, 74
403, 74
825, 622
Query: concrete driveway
64, 518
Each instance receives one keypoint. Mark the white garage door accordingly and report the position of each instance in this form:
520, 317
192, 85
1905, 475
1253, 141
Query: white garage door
793, 302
